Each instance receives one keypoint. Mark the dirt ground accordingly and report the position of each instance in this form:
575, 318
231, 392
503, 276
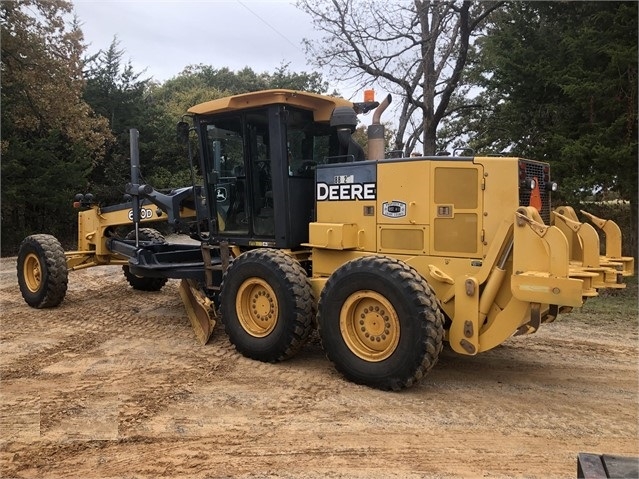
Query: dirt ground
112, 384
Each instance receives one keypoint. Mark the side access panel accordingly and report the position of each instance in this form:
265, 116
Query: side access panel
456, 211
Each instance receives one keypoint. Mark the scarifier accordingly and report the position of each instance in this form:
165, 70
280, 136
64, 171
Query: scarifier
295, 229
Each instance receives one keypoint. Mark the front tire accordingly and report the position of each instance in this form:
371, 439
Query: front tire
380, 323
42, 271
266, 304
143, 283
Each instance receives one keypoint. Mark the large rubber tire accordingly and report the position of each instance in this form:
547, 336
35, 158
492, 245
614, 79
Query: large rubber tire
266, 305
142, 283
42, 271
379, 323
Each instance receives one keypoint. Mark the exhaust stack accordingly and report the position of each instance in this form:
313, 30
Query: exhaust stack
376, 148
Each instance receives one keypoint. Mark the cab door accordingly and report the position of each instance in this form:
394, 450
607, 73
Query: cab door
226, 177
238, 175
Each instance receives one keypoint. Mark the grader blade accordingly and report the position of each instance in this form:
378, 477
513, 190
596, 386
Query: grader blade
198, 308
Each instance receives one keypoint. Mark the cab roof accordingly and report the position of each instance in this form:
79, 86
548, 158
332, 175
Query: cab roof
321, 105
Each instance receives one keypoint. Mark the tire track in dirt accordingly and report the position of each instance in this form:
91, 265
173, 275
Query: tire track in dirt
509, 376
30, 365
132, 316
141, 398
152, 316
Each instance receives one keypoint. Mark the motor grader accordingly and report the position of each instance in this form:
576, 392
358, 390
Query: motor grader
295, 228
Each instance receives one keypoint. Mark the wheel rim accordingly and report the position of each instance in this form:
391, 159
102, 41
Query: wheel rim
32, 272
257, 308
369, 325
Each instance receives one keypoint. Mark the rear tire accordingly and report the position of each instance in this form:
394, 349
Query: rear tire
143, 283
42, 271
380, 323
266, 305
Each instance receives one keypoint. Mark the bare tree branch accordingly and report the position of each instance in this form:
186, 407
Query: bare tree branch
416, 51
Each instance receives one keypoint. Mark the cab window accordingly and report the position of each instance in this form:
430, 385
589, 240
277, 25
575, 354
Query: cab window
308, 143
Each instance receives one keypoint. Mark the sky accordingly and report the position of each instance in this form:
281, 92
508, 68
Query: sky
163, 37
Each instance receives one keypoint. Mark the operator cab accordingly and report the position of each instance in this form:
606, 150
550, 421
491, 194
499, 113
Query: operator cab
258, 157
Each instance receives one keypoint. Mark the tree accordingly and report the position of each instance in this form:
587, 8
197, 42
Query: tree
558, 83
416, 51
284, 78
243, 81
113, 89
118, 93
50, 136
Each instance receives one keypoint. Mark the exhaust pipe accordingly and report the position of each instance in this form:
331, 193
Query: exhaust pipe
376, 149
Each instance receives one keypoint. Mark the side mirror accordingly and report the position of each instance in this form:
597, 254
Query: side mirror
183, 132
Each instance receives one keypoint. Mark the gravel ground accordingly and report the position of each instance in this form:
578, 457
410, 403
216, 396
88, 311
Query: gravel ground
112, 384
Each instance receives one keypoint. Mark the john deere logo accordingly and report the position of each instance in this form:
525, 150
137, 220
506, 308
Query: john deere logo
220, 194
346, 192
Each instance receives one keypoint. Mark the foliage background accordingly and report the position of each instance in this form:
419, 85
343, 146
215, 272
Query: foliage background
553, 81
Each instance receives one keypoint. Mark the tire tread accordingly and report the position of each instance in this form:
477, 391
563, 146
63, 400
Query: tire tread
298, 283
421, 297
55, 281
145, 283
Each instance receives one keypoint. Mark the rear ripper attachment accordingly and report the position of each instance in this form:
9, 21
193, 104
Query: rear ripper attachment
293, 226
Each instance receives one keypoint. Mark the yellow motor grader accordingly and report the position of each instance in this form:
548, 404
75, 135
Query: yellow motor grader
296, 228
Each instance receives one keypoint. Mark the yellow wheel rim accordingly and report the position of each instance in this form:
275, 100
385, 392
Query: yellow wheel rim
369, 325
256, 307
32, 272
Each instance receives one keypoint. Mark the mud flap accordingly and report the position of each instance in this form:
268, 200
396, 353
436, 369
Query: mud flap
198, 307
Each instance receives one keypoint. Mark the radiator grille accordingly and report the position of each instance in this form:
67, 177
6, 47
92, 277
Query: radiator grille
534, 169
